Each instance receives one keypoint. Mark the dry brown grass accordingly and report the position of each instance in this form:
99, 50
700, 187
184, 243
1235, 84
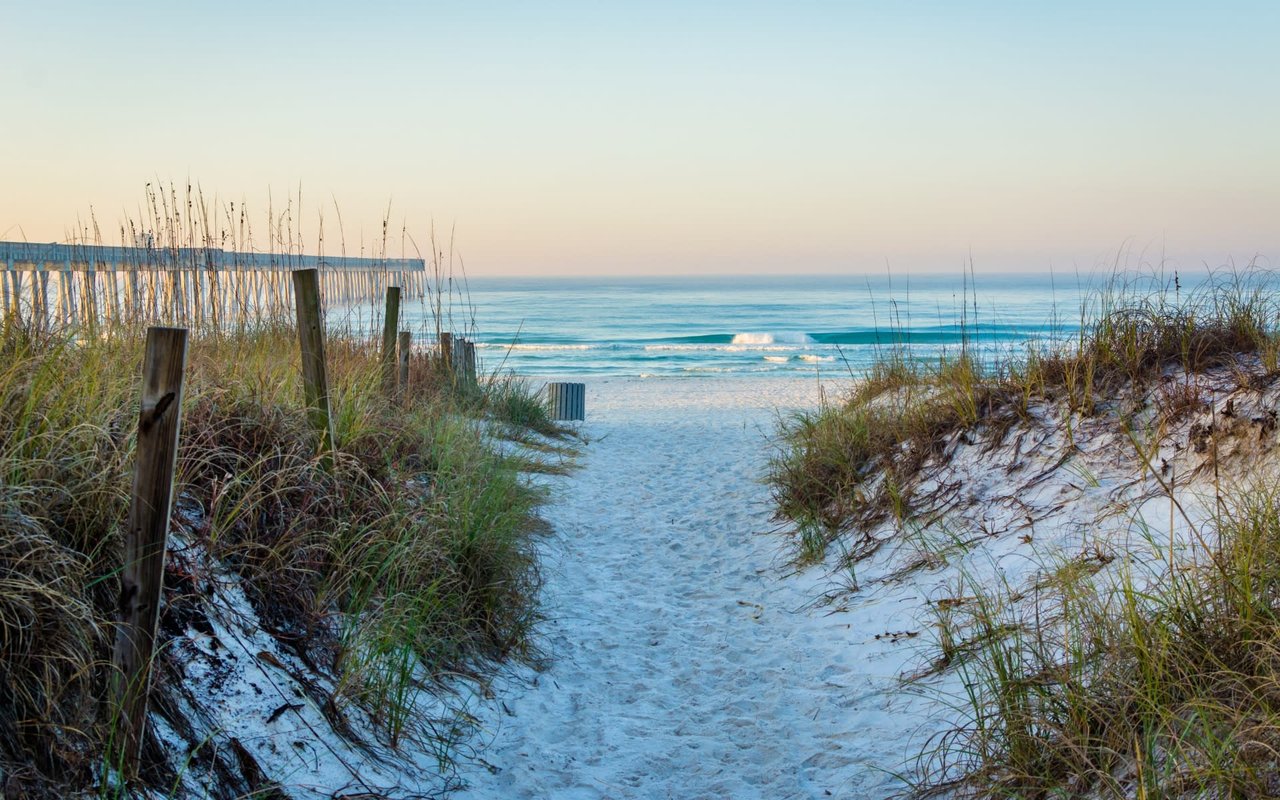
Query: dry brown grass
413, 542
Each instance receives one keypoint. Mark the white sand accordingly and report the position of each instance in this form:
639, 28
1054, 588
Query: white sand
690, 660
687, 660
239, 689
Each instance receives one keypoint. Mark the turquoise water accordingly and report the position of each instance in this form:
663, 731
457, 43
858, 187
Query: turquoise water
775, 326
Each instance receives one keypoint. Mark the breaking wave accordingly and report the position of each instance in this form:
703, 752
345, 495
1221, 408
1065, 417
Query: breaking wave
771, 338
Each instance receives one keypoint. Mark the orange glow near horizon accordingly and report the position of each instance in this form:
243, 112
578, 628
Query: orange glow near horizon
675, 138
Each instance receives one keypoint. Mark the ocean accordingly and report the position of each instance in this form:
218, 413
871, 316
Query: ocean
761, 326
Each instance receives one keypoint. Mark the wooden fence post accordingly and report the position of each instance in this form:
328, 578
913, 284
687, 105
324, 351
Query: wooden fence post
46, 317
315, 380
406, 346
148, 528
446, 352
390, 325
469, 361
18, 293
458, 367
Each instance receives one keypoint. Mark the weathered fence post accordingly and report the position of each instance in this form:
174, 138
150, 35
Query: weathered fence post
315, 380
135, 296
406, 347
469, 361
390, 325
113, 297
18, 293
148, 528
46, 317
462, 361
64, 301
89, 307
68, 279
446, 351
568, 401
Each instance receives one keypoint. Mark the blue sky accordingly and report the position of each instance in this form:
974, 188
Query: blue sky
668, 137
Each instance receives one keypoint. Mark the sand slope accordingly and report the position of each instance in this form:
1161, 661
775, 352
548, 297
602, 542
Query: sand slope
687, 660
690, 661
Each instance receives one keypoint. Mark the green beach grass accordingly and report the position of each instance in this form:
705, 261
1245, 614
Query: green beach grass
1132, 681
412, 551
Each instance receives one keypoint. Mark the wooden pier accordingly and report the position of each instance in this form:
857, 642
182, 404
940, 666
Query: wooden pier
82, 284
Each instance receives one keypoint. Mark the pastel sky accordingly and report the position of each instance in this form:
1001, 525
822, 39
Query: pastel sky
668, 137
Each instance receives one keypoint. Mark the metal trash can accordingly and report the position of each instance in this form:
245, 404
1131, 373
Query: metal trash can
568, 401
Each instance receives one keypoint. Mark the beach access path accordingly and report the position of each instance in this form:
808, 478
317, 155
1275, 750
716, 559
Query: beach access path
686, 656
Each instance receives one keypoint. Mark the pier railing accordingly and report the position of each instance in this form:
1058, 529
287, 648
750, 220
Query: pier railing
87, 284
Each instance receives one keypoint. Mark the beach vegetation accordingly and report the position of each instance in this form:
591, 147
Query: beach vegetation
847, 464
1128, 682
410, 552
522, 405
1139, 671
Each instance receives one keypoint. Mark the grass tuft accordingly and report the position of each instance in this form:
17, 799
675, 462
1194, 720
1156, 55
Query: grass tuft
850, 463
409, 557
1128, 679
516, 402
1128, 683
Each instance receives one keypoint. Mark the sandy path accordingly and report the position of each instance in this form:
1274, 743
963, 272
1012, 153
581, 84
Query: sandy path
685, 664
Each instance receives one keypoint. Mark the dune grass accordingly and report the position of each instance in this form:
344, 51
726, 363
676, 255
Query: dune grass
843, 466
1128, 680
1131, 682
411, 552
516, 402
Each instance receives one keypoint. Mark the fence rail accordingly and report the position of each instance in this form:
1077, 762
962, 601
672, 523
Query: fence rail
88, 284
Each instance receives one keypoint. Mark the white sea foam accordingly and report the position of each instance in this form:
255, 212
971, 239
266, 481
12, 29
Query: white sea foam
772, 338
812, 357
778, 359
722, 348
